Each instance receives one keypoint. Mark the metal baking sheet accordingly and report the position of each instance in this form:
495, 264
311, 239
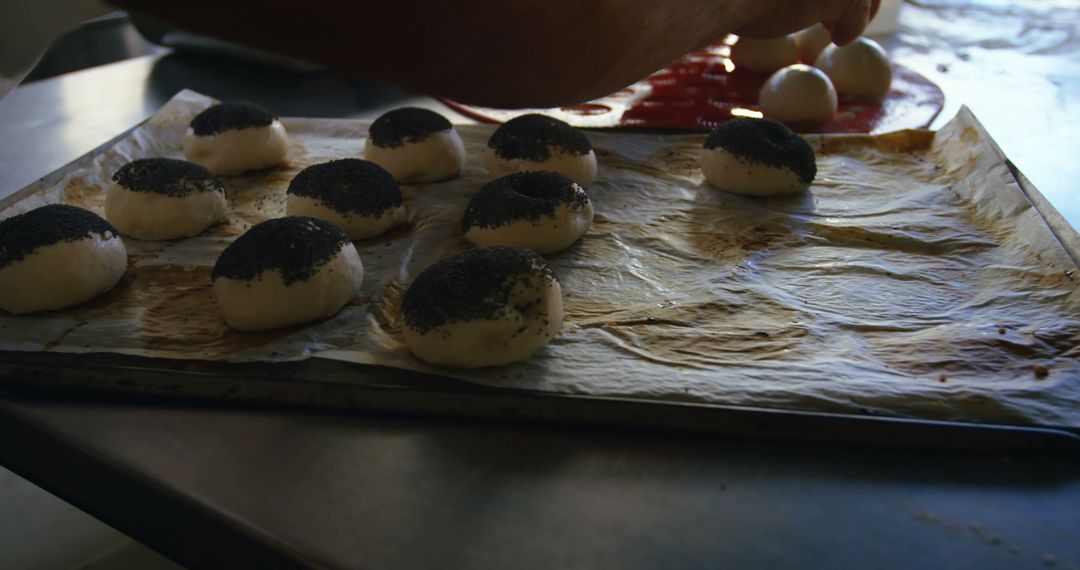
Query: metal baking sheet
967, 180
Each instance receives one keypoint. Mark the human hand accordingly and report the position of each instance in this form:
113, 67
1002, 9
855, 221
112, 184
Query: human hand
505, 53
845, 19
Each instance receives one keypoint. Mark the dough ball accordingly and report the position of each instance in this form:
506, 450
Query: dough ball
57, 256
539, 142
798, 94
860, 68
285, 272
487, 306
164, 198
811, 41
358, 196
757, 157
415, 145
233, 138
764, 55
541, 210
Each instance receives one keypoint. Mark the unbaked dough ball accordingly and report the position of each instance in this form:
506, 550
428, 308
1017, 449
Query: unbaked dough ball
487, 306
57, 256
539, 142
286, 271
164, 198
757, 157
233, 138
811, 41
541, 210
860, 68
358, 196
415, 145
764, 55
798, 94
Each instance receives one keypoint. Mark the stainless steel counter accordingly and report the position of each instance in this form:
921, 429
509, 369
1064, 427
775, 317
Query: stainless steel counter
278, 488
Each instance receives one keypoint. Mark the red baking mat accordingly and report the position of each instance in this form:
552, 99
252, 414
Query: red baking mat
704, 89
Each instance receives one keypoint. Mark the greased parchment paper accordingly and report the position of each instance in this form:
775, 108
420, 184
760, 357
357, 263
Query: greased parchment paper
914, 279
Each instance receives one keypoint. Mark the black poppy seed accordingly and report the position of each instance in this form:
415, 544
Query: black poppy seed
531, 137
473, 284
406, 125
168, 176
295, 245
767, 142
522, 196
22, 234
229, 116
349, 186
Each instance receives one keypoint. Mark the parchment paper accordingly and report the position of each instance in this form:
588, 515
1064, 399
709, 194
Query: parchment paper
915, 279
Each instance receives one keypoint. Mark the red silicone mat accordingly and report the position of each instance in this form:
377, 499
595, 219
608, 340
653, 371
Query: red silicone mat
704, 89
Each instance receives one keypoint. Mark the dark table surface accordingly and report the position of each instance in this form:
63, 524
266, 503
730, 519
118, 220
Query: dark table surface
230, 487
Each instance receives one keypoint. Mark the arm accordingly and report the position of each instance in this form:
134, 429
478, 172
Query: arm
526, 53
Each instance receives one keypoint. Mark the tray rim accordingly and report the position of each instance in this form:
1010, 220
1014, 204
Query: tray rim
22, 377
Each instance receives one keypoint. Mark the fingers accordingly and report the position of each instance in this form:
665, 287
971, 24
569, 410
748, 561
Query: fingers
852, 21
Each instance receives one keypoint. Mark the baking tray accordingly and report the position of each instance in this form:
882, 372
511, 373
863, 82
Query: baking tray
320, 384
